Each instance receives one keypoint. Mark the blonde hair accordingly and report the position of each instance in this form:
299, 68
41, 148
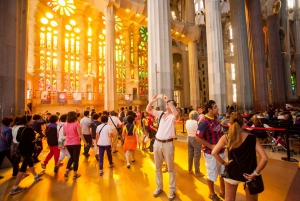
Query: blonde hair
235, 129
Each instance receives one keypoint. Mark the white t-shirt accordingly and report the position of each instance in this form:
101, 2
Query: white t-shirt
191, 127
115, 120
60, 130
166, 128
15, 132
104, 137
85, 123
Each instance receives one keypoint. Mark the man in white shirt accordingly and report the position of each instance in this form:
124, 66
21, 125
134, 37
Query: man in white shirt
85, 123
114, 123
163, 147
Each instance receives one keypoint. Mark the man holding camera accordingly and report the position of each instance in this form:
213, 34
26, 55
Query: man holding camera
163, 147
208, 134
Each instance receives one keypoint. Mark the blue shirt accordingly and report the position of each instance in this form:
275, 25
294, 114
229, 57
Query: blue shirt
6, 138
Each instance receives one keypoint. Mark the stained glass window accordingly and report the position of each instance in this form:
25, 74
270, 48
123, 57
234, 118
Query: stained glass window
71, 57
293, 82
143, 62
120, 64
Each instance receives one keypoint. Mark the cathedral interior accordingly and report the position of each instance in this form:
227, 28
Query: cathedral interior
84, 54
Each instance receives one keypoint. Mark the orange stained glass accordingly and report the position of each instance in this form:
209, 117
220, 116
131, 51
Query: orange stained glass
66, 44
49, 40
72, 45
66, 66
77, 66
132, 73
42, 39
100, 51
77, 47
89, 70
41, 83
54, 65
42, 62
54, 82
55, 42
48, 82
48, 64
89, 32
66, 83
72, 67
89, 49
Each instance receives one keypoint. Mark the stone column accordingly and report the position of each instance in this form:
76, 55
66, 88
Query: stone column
185, 97
160, 66
277, 72
110, 88
241, 55
13, 56
284, 42
259, 60
297, 45
190, 11
215, 55
193, 74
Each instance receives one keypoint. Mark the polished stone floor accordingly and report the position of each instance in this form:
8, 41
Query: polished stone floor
138, 182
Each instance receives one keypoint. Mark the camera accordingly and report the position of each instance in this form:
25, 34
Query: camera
225, 174
160, 96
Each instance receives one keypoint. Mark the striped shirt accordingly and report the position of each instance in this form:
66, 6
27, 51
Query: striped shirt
210, 130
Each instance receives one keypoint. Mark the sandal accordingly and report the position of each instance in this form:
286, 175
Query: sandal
222, 195
76, 176
66, 174
214, 197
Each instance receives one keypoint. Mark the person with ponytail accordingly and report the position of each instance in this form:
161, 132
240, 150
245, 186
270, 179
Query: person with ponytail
242, 148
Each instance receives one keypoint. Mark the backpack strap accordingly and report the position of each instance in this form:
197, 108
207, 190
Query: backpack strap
160, 119
101, 129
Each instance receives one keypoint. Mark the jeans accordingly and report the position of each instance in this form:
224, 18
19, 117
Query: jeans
74, 151
102, 149
165, 151
194, 154
89, 141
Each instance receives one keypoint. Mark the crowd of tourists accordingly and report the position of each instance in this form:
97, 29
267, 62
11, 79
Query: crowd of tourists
151, 130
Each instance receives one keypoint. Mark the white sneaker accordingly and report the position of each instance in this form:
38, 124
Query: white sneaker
172, 195
17, 190
157, 192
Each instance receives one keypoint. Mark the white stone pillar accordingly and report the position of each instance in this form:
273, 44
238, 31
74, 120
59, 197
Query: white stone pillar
160, 68
193, 74
215, 55
297, 45
110, 88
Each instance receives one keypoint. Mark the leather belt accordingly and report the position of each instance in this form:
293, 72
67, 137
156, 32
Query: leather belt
164, 141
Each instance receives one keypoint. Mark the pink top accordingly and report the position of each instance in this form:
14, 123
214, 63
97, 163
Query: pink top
72, 136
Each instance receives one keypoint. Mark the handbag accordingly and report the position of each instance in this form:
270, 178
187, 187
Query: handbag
118, 129
254, 186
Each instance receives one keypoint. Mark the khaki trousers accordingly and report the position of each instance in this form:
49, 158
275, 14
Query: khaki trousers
164, 151
114, 139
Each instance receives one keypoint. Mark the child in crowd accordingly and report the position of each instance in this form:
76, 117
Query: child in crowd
61, 139
52, 140
103, 139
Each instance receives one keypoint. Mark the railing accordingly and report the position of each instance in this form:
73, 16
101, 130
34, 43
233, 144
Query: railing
286, 128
